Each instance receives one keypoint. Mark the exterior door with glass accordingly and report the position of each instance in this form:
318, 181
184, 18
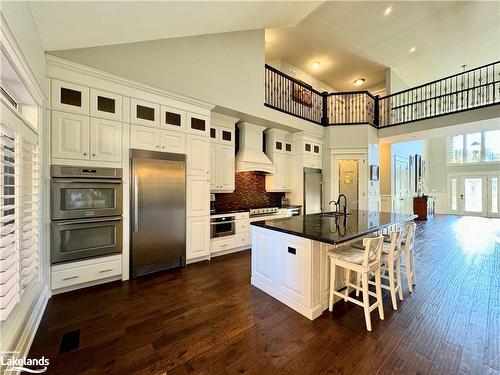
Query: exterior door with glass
476, 195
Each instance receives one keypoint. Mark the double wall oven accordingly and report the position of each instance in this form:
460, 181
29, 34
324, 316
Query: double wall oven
86, 212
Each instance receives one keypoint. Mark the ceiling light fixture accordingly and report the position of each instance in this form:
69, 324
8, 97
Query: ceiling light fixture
359, 81
387, 11
315, 65
412, 49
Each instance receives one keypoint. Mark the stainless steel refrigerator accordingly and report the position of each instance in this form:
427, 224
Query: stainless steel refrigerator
158, 211
313, 190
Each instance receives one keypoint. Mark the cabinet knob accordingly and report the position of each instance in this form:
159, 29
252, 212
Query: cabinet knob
85, 154
93, 154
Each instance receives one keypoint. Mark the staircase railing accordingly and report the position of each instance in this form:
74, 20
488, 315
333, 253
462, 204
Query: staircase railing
475, 88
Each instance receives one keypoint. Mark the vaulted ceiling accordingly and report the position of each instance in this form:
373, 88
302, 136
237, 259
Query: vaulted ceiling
79, 24
358, 39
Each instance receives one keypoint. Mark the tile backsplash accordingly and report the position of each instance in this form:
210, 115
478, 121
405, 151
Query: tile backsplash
249, 192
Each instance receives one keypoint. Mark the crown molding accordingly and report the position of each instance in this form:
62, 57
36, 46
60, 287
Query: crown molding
110, 77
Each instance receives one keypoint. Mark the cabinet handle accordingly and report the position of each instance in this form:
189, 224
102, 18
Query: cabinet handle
136, 203
223, 245
292, 250
106, 270
71, 278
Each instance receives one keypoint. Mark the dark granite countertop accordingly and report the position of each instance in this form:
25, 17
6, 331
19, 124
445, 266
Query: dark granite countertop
335, 230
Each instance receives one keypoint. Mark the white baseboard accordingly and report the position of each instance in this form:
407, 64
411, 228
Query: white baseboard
31, 325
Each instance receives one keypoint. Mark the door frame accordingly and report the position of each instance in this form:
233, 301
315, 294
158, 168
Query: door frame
487, 200
362, 158
409, 195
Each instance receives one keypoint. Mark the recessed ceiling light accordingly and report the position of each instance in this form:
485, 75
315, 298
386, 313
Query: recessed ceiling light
412, 49
315, 65
359, 81
387, 11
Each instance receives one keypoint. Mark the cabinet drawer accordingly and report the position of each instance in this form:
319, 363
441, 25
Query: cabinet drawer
81, 274
243, 239
242, 226
241, 215
222, 244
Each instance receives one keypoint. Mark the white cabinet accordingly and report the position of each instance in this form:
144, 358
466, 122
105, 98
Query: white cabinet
105, 140
144, 138
198, 124
83, 138
222, 168
197, 196
222, 156
198, 155
279, 150
173, 119
144, 113
171, 141
312, 154
105, 105
70, 136
281, 179
147, 138
213, 167
70, 97
197, 237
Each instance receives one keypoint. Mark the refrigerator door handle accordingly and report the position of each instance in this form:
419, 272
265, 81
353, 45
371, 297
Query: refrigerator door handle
136, 203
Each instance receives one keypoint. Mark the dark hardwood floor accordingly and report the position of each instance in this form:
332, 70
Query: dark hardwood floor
207, 318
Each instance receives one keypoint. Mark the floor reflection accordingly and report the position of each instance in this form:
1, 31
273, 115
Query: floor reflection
476, 235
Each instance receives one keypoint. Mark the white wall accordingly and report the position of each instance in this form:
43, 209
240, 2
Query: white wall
17, 14
225, 69
393, 82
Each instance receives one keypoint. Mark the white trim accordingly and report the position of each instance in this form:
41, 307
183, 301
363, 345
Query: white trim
31, 325
347, 150
109, 77
14, 52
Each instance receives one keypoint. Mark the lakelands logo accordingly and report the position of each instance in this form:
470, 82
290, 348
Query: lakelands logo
11, 362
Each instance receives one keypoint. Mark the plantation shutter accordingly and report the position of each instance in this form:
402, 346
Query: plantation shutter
9, 220
28, 227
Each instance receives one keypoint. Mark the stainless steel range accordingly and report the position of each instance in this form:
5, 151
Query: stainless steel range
260, 212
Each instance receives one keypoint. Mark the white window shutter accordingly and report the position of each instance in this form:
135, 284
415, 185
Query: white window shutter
9, 223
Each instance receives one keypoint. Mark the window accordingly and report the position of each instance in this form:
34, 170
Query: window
492, 145
474, 147
454, 194
494, 195
456, 149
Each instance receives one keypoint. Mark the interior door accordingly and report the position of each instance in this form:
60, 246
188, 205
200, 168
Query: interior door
401, 186
349, 181
494, 196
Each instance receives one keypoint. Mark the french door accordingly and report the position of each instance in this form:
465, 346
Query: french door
477, 195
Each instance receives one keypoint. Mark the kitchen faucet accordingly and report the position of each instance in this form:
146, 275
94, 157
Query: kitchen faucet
337, 204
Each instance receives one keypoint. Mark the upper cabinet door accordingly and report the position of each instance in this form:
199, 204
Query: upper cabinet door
198, 124
226, 136
198, 155
144, 138
70, 136
105, 140
225, 167
144, 113
173, 118
172, 142
105, 105
70, 97
213, 168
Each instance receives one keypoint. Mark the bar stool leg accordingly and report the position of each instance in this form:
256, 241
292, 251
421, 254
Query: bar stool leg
414, 275
358, 283
398, 275
378, 292
366, 301
347, 280
392, 285
409, 280
332, 283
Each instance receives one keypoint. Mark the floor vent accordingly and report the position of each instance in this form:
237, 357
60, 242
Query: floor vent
69, 341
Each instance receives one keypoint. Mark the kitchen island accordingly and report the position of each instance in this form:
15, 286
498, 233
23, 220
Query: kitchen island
289, 255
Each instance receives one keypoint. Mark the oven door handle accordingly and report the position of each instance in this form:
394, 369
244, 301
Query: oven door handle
83, 221
136, 203
86, 180
222, 222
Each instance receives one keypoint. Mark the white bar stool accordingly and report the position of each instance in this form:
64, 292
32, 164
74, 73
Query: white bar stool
408, 251
391, 261
364, 262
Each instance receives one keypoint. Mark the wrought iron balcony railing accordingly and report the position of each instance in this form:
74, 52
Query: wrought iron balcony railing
471, 89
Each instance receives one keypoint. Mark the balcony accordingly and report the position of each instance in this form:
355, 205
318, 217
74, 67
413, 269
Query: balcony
475, 88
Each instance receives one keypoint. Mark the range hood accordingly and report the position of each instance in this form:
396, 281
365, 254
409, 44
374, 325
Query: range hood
250, 157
